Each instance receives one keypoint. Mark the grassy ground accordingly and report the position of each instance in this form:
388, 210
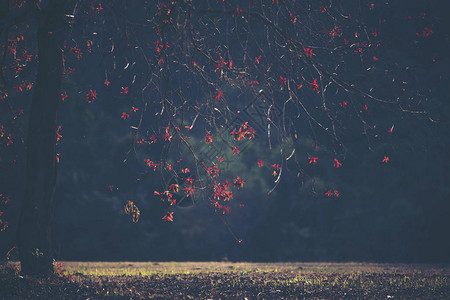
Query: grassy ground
214, 280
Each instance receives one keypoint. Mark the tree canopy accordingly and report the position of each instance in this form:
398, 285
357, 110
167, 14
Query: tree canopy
207, 98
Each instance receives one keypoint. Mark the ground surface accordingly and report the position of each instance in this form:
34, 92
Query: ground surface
213, 280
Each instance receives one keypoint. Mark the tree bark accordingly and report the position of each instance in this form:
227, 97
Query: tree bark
34, 241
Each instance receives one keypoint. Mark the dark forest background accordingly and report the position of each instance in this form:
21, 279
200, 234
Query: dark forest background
394, 212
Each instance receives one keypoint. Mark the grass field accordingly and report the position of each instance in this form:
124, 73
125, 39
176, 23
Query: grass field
226, 280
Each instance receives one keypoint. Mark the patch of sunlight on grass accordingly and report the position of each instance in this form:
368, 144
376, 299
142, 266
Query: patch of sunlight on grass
352, 270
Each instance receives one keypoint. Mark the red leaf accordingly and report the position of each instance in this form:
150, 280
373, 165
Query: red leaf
336, 164
168, 217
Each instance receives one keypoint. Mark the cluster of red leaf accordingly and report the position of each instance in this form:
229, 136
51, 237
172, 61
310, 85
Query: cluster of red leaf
131, 208
245, 131
160, 46
315, 86
219, 95
293, 18
64, 96
426, 32
276, 169
222, 193
208, 137
235, 150
167, 196
13, 42
222, 64
238, 12
337, 164
124, 115
238, 182
7, 138
97, 7
77, 52
24, 86
190, 188
312, 160
112, 188
334, 193
308, 52
90, 96
168, 217
151, 164
58, 134
3, 201
3, 95
213, 171
336, 32
174, 187
152, 139
164, 12
343, 104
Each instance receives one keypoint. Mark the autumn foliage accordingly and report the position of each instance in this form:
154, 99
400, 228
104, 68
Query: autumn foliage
206, 78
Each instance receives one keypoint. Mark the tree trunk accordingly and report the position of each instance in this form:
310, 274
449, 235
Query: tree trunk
34, 224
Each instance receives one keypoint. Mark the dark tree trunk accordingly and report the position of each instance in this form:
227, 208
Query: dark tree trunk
34, 224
